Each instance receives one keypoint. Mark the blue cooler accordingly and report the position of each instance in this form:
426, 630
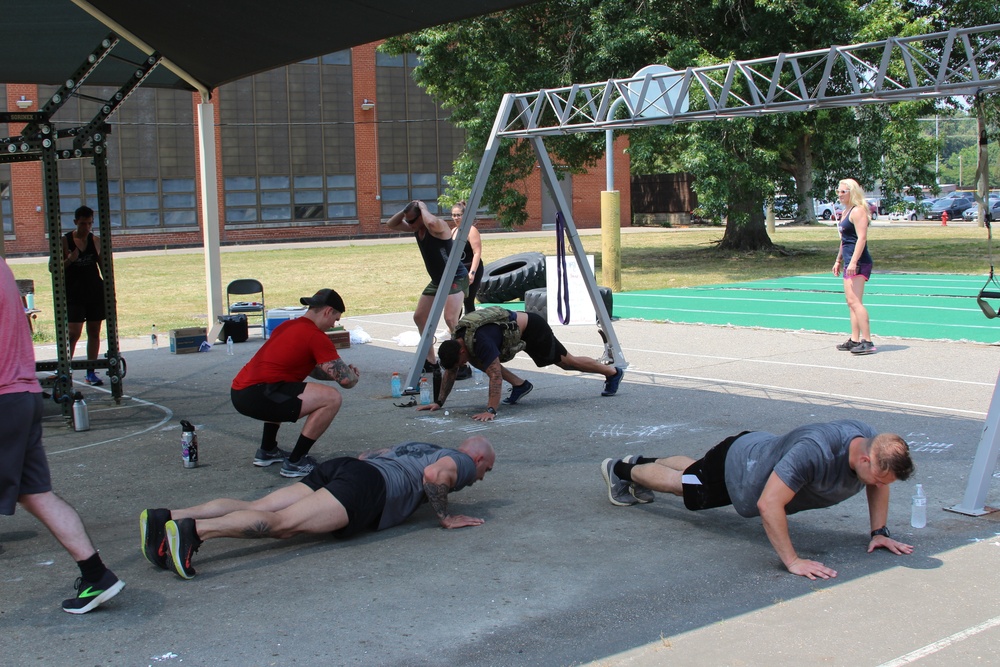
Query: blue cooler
276, 316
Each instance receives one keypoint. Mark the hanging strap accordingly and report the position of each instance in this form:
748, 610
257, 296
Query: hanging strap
986, 293
562, 279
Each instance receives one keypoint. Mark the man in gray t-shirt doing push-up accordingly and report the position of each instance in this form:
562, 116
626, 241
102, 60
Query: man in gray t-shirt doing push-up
772, 476
344, 496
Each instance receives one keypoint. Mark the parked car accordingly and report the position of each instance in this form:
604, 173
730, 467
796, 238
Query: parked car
955, 207
872, 210
913, 210
992, 210
824, 209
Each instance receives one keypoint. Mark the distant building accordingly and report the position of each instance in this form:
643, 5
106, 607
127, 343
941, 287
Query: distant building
326, 148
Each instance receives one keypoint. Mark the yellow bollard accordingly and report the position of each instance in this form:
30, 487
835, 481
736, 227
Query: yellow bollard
611, 240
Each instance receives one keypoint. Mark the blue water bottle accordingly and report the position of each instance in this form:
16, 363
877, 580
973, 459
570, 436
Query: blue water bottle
397, 386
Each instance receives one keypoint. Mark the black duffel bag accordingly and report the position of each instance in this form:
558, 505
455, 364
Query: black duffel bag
235, 326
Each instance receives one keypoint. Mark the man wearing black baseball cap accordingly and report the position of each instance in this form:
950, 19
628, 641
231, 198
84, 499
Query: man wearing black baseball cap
272, 387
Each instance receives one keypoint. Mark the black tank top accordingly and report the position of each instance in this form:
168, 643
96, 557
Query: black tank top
435, 252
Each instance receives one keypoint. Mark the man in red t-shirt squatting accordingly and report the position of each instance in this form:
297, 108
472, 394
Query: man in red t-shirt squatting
272, 387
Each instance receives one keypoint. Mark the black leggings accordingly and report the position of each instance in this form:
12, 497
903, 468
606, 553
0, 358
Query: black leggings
470, 301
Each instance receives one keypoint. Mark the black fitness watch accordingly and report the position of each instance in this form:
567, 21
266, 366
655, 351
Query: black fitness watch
884, 530
492, 411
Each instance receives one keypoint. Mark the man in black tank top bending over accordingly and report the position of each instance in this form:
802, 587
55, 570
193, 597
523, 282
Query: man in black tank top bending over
434, 240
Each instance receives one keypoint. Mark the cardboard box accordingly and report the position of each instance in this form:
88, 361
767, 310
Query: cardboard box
341, 338
186, 341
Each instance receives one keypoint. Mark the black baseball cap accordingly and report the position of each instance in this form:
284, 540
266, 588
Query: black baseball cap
324, 297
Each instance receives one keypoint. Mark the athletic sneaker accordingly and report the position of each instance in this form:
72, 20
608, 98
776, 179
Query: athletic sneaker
864, 347
90, 594
304, 466
182, 542
611, 384
517, 393
464, 372
618, 492
639, 492
848, 345
264, 457
152, 529
93, 380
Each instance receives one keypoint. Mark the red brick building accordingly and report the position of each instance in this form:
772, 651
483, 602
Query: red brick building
325, 148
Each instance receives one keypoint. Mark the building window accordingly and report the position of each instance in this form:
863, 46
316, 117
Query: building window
151, 161
288, 145
417, 144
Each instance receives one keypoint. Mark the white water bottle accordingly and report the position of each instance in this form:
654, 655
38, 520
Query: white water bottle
152, 338
229, 346
918, 510
477, 375
425, 391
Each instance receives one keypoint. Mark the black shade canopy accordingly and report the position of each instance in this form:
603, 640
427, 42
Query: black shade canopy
212, 41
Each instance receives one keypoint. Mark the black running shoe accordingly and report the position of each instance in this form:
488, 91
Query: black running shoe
183, 542
90, 594
152, 529
517, 393
464, 372
864, 347
848, 345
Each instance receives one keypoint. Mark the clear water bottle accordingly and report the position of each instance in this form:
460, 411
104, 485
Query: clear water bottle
477, 375
229, 346
152, 338
425, 391
918, 510
396, 385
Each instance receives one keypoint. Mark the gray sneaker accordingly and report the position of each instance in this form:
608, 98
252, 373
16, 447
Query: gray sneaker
303, 467
618, 492
864, 347
266, 458
639, 492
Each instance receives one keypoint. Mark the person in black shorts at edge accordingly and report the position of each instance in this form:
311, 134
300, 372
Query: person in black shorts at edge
343, 496
490, 336
84, 287
24, 474
272, 387
772, 476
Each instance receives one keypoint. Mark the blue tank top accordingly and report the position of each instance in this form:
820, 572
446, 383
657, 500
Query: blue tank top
849, 239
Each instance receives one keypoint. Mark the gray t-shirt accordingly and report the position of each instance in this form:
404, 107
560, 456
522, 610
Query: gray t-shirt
812, 460
402, 467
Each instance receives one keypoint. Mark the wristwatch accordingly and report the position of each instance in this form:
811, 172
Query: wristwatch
492, 411
884, 530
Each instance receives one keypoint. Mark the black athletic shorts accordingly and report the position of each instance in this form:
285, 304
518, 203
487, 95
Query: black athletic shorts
358, 486
86, 305
25, 469
710, 471
277, 402
540, 343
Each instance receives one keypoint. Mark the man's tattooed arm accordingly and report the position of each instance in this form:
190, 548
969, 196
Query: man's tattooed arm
437, 496
337, 371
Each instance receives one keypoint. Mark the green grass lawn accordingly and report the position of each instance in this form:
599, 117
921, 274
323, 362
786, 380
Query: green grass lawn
169, 289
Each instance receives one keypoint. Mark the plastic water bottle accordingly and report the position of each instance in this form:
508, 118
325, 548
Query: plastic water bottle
918, 510
477, 375
152, 338
81, 414
229, 346
396, 385
425, 391
189, 445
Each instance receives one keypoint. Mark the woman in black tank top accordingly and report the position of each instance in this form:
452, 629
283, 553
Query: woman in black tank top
856, 262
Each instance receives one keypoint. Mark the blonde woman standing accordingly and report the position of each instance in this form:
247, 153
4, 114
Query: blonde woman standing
856, 262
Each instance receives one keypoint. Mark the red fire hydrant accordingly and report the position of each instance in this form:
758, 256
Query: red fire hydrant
944, 218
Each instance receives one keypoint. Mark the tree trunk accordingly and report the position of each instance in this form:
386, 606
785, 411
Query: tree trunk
982, 164
804, 178
745, 226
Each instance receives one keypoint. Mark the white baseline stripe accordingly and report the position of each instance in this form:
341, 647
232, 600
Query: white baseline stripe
168, 415
913, 656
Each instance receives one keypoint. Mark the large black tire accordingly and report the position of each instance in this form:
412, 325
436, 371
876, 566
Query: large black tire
536, 301
509, 278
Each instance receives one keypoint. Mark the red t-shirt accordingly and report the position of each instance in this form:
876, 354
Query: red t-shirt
289, 355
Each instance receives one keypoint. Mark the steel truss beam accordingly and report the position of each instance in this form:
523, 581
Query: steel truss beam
960, 61
39, 141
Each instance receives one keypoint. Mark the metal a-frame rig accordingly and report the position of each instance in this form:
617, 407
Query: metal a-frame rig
960, 61
40, 140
